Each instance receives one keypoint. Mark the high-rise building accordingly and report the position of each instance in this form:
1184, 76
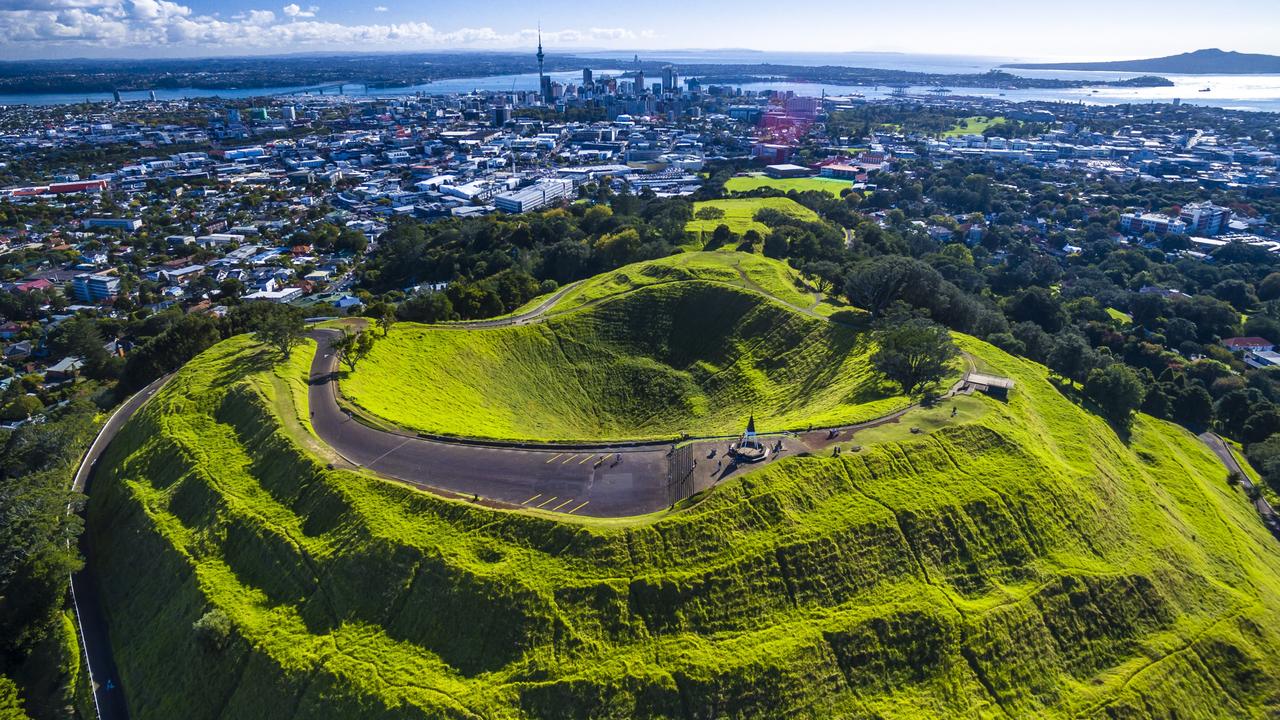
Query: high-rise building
544, 82
501, 116
290, 113
639, 82
670, 80
233, 116
587, 79
116, 95
152, 95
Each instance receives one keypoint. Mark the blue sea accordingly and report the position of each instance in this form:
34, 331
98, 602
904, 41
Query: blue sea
1237, 92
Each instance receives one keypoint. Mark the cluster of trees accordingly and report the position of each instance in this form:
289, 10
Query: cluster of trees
38, 553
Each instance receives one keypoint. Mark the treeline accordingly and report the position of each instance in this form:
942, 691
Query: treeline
39, 650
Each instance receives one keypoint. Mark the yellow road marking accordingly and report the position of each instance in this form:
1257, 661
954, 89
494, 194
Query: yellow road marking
584, 459
577, 508
544, 502
535, 497
566, 502
557, 455
566, 460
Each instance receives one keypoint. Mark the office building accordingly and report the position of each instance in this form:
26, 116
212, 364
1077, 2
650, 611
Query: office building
670, 80
639, 82
126, 224
501, 116
1205, 218
587, 79
88, 287
1157, 223
290, 113
534, 197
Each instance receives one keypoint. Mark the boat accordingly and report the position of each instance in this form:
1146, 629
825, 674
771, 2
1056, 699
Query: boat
1205, 89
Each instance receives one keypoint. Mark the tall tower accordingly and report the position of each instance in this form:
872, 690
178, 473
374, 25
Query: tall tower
544, 82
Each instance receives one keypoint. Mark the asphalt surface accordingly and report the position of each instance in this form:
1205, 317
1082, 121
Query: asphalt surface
108, 694
606, 481
1228, 459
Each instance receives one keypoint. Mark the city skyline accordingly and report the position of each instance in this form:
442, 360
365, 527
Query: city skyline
1093, 30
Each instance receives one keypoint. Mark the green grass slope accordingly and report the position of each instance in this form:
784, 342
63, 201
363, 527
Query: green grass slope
692, 356
1025, 562
740, 214
744, 270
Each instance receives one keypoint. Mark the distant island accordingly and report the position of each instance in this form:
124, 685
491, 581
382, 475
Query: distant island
1201, 62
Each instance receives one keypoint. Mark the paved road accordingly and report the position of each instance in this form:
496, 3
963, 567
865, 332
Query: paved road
108, 695
607, 481
1232, 464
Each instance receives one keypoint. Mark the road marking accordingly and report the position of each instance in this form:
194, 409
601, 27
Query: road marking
577, 508
584, 459
544, 502
535, 497
566, 460
557, 455
557, 508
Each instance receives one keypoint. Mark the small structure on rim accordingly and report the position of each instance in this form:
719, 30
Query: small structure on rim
993, 385
749, 448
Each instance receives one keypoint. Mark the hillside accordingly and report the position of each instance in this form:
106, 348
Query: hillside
740, 214
692, 356
1024, 562
1200, 62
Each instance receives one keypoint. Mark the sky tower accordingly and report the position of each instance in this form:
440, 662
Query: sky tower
544, 82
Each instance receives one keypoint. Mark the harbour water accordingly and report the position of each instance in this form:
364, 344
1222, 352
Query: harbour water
1237, 92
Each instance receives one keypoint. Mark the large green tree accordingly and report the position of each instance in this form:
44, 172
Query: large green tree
913, 353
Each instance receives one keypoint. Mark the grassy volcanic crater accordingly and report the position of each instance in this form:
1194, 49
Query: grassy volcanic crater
1028, 563
690, 356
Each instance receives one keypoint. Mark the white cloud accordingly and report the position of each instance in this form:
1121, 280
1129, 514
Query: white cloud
294, 11
380, 8
151, 24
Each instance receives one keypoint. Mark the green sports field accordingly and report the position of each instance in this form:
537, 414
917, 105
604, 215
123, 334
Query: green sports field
831, 186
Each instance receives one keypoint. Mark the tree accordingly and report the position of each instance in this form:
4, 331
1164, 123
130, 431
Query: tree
720, 237
913, 353
213, 630
1117, 390
1037, 305
353, 347
385, 315
825, 274
281, 327
429, 307
776, 245
709, 212
878, 284
1071, 357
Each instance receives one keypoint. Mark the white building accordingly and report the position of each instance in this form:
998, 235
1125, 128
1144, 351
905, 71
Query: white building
534, 197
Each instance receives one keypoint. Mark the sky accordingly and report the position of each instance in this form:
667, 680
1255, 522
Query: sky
1024, 29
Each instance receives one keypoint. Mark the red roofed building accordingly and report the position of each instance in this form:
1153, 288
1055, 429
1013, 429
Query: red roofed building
1252, 344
